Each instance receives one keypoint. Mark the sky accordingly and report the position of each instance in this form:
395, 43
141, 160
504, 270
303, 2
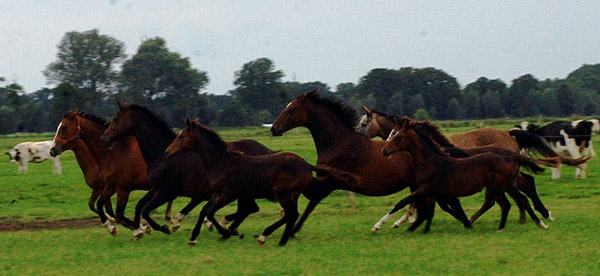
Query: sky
329, 41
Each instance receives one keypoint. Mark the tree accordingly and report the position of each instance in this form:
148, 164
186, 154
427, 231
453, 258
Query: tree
164, 81
259, 87
87, 60
565, 100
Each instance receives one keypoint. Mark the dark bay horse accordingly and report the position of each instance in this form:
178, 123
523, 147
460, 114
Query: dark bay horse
181, 175
379, 124
122, 167
280, 177
439, 174
66, 138
331, 123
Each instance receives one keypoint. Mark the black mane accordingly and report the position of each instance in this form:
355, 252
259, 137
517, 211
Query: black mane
213, 138
346, 113
92, 117
426, 138
435, 133
159, 121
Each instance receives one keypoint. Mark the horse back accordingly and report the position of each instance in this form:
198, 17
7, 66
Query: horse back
484, 137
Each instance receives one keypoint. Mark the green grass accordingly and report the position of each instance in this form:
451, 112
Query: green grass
335, 240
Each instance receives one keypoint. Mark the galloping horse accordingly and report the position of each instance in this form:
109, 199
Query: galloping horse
121, 166
88, 165
182, 175
439, 174
379, 124
331, 123
281, 176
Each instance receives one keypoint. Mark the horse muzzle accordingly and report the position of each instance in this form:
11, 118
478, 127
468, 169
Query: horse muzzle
276, 132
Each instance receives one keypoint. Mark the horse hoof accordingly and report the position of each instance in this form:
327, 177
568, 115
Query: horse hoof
138, 233
242, 236
375, 229
175, 228
261, 243
282, 213
550, 216
113, 232
192, 243
147, 229
394, 226
500, 230
542, 225
165, 229
224, 237
261, 240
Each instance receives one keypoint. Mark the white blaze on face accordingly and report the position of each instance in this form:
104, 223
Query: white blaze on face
393, 133
56, 135
288, 105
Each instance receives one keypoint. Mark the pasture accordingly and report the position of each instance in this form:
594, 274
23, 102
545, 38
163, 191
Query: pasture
62, 236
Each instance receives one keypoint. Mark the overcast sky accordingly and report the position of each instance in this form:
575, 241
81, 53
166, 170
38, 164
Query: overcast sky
328, 41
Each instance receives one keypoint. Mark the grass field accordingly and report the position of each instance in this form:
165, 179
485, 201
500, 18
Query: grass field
335, 240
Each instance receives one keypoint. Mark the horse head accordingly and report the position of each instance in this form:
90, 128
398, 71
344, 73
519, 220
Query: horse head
120, 126
67, 134
295, 114
185, 140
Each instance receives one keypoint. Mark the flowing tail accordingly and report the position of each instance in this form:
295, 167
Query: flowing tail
333, 178
526, 162
530, 141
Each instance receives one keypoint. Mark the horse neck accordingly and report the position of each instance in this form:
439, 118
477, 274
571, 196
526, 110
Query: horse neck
90, 134
212, 157
421, 153
386, 127
84, 158
152, 140
328, 131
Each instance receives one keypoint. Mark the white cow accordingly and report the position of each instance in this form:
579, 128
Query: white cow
35, 152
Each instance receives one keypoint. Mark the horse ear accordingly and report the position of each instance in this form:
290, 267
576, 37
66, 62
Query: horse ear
366, 109
188, 123
120, 105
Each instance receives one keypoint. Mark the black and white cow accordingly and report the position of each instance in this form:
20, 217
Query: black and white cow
568, 138
34, 152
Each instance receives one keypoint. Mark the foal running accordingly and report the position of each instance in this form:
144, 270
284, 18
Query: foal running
281, 176
438, 174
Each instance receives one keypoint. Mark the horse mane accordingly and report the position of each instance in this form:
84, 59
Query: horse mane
425, 137
435, 133
160, 122
92, 117
213, 138
345, 112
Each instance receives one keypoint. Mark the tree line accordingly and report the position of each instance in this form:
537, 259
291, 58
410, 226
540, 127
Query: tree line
86, 76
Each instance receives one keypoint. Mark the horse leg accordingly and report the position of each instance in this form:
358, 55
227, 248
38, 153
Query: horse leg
414, 196
109, 212
526, 184
453, 207
139, 232
422, 214
219, 202
176, 221
504, 207
245, 208
198, 225
409, 216
92, 202
521, 200
157, 200
291, 215
106, 194
487, 204
430, 212
122, 198
555, 173
309, 208
168, 216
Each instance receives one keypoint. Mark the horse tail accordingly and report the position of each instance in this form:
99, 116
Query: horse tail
526, 162
529, 141
334, 178
574, 161
553, 162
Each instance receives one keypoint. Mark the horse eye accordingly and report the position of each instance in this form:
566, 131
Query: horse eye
292, 110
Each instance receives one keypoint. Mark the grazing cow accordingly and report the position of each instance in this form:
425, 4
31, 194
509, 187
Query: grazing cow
568, 138
35, 152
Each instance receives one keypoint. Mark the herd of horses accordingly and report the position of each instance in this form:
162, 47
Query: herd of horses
137, 150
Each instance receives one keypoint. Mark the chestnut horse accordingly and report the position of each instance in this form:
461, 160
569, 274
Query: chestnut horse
280, 176
331, 123
121, 166
90, 169
439, 174
182, 175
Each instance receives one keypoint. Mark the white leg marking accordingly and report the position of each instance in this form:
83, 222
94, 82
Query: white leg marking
550, 217
383, 220
542, 225
555, 173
